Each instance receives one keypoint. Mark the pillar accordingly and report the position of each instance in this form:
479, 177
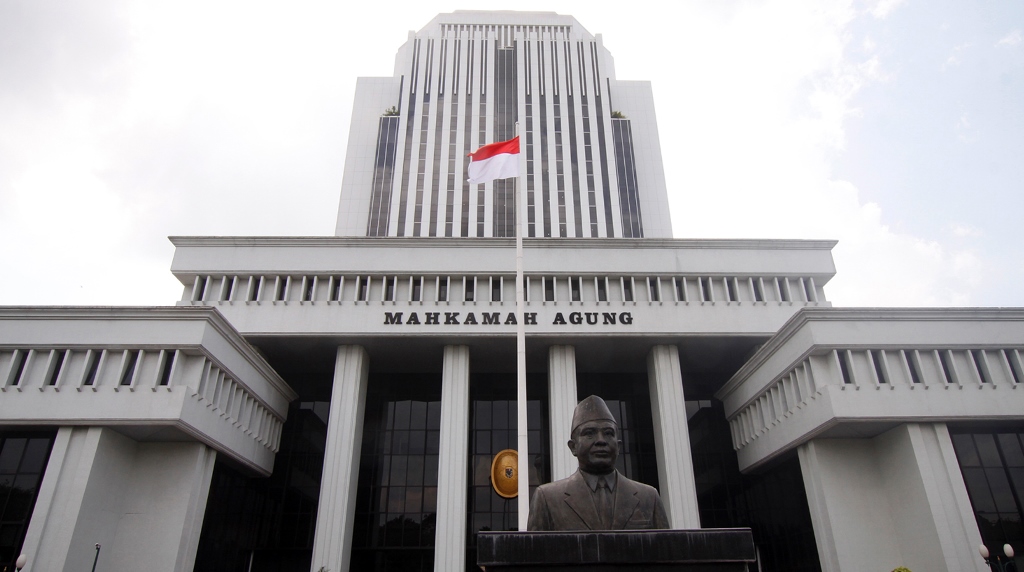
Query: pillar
143, 502
897, 499
562, 401
672, 437
450, 535
332, 543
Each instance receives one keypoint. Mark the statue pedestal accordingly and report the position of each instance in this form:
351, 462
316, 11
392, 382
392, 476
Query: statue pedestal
700, 550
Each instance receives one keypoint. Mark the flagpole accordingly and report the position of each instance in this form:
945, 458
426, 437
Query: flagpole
522, 446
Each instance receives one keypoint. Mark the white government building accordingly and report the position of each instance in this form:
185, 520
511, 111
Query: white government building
334, 403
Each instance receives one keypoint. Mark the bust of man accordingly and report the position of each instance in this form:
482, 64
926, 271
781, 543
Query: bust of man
596, 497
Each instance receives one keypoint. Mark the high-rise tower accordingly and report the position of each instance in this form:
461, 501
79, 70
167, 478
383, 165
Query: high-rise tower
591, 160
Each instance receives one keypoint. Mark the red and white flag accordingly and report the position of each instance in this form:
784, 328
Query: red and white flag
495, 161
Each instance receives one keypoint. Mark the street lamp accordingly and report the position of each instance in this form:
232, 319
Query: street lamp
20, 562
997, 563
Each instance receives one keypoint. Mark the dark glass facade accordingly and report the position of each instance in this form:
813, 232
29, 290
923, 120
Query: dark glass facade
257, 524
627, 397
396, 501
772, 501
493, 422
625, 166
992, 463
23, 457
383, 176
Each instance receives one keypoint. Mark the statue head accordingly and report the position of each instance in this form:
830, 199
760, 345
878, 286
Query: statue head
595, 436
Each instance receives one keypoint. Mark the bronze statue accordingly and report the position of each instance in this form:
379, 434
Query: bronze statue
596, 497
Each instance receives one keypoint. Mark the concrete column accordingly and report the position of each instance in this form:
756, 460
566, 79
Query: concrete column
143, 502
332, 543
897, 499
450, 538
562, 401
672, 437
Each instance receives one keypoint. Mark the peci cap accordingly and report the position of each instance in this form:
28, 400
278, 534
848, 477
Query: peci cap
592, 408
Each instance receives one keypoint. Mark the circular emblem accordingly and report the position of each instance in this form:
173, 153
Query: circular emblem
505, 473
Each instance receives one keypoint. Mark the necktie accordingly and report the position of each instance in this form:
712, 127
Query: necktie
605, 505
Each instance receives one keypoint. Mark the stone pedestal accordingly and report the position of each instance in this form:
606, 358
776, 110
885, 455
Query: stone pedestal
703, 550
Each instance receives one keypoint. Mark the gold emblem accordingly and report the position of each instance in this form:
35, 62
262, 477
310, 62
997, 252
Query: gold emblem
505, 473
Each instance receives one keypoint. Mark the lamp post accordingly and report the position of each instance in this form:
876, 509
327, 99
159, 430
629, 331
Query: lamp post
997, 563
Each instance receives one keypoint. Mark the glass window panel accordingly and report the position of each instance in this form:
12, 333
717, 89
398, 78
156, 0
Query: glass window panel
966, 451
987, 450
402, 414
430, 499
501, 441
430, 466
10, 455
977, 486
482, 419
418, 419
501, 415
1000, 487
482, 471
413, 500
385, 470
398, 467
35, 455
434, 414
396, 499
483, 443
1010, 445
433, 442
417, 442
1017, 480
414, 472
400, 443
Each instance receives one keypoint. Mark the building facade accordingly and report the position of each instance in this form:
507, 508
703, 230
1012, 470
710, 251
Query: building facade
334, 403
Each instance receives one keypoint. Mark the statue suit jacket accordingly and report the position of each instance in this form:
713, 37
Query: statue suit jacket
568, 504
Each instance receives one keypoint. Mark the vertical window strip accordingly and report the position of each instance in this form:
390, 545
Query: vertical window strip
680, 287
531, 205
93, 359
20, 361
435, 161
415, 288
409, 132
946, 364
980, 365
442, 288
383, 176
625, 164
573, 154
129, 363
757, 285
54, 366
843, 357
467, 137
914, 365
627, 288
482, 139
543, 132
877, 358
1013, 362
167, 359
602, 146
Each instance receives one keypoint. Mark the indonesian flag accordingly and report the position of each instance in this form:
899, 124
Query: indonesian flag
495, 161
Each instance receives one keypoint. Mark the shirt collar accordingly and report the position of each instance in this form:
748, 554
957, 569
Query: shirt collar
593, 480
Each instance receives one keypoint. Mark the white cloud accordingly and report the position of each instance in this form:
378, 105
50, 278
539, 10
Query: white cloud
882, 8
960, 230
1011, 39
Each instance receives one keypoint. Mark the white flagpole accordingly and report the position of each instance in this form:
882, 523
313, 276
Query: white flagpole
523, 452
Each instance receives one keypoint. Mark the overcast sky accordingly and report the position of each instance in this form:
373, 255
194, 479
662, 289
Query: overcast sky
895, 127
